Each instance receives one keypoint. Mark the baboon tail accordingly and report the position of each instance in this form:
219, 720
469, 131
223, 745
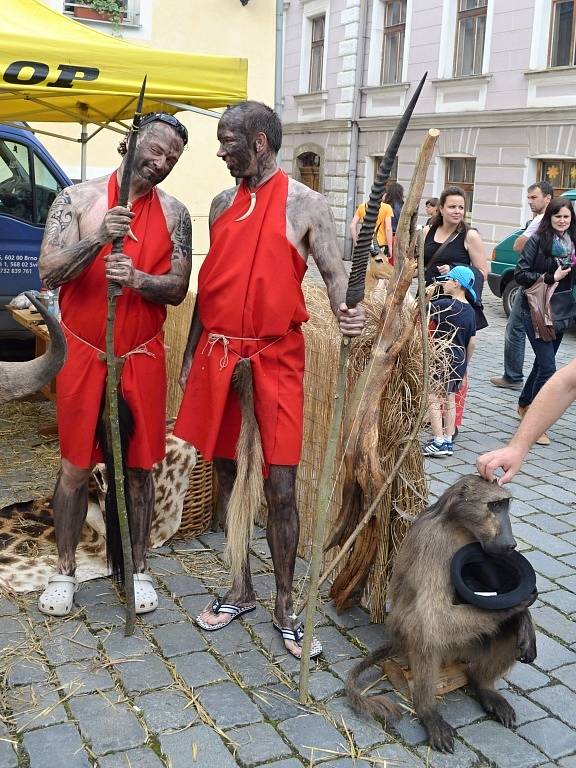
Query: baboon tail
376, 705
114, 554
247, 491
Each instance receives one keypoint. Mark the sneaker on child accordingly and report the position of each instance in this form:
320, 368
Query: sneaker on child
434, 448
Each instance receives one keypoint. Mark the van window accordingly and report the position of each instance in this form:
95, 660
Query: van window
47, 187
16, 194
15, 184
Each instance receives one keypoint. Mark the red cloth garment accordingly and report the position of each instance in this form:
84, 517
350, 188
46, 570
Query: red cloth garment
249, 291
461, 401
138, 334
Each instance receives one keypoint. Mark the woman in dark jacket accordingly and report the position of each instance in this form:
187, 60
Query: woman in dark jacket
550, 253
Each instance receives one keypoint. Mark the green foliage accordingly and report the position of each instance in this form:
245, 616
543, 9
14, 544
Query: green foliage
112, 8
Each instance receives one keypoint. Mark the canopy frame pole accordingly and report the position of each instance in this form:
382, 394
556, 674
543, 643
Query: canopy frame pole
83, 141
40, 132
190, 108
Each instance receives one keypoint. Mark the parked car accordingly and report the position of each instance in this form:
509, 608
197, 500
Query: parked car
501, 276
30, 179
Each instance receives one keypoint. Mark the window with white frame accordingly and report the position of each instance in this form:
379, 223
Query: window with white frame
316, 53
470, 37
393, 171
115, 11
313, 47
560, 173
393, 41
460, 172
561, 52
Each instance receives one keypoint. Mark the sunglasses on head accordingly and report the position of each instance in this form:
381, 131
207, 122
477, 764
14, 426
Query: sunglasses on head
166, 117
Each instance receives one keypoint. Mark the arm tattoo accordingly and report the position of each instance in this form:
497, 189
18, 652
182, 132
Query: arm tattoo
62, 256
59, 219
182, 237
171, 288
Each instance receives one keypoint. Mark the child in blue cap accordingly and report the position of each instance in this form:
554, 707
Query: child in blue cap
454, 318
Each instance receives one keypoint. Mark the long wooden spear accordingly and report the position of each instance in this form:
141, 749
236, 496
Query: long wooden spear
354, 295
114, 366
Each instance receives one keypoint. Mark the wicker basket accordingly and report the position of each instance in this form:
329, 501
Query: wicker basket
198, 504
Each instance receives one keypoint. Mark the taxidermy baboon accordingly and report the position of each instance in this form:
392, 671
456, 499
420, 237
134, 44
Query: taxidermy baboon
428, 627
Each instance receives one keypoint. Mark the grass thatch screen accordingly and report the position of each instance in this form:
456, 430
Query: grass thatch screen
399, 406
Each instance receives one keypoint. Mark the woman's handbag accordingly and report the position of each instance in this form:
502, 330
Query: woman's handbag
563, 307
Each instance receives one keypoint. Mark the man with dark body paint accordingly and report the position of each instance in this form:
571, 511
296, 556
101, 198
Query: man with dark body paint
153, 271
297, 221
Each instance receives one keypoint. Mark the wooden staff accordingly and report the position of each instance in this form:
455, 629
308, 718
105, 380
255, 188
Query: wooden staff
412, 200
354, 295
114, 368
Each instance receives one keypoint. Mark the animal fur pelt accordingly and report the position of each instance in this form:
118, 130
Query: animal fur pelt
247, 491
28, 555
114, 553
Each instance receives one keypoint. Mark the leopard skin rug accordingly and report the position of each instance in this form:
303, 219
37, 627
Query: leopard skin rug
27, 546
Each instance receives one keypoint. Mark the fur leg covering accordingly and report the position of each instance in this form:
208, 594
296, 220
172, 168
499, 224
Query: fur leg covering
113, 538
247, 491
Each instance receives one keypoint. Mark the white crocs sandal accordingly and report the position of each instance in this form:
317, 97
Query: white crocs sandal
57, 598
145, 596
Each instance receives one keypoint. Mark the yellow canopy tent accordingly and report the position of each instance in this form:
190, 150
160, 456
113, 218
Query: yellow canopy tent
53, 69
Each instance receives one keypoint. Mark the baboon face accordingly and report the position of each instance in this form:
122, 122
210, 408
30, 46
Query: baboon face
482, 508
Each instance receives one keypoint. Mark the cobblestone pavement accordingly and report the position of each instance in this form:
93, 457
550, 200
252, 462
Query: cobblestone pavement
77, 693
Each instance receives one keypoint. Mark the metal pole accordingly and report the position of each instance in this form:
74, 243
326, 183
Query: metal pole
279, 63
355, 131
279, 60
83, 141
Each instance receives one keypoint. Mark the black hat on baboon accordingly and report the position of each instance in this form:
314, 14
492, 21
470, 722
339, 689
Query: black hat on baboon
492, 582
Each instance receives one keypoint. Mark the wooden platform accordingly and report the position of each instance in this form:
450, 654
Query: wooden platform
451, 677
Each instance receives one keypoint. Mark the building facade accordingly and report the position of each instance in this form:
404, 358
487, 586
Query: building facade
501, 88
211, 27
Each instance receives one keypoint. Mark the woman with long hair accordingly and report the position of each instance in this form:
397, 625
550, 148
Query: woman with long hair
450, 237
550, 254
449, 242
394, 196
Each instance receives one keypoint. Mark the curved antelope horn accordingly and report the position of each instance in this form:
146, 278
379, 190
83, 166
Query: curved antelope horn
21, 379
361, 252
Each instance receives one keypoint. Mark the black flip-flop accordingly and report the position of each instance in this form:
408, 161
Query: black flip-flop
295, 635
228, 608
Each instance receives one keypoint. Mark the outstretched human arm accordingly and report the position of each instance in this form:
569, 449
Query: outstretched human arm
63, 254
476, 251
193, 337
530, 230
171, 287
550, 403
389, 234
354, 226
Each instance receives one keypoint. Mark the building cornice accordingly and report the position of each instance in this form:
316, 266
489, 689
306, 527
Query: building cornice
501, 118
317, 126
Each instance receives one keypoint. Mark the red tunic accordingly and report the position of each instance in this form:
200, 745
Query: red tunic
138, 333
249, 287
